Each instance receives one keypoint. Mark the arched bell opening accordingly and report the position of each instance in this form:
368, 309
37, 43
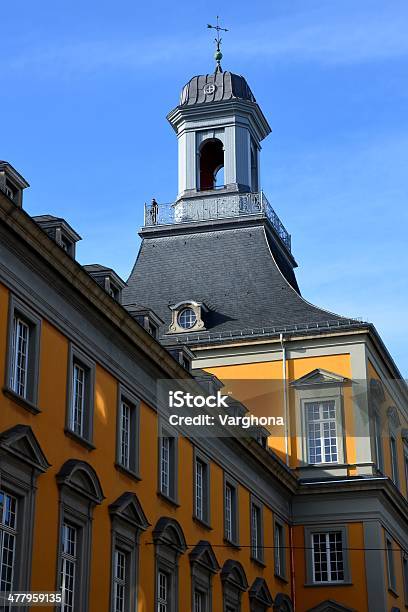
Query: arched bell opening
211, 165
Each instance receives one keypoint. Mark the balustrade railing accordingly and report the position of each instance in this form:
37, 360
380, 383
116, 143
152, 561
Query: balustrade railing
216, 207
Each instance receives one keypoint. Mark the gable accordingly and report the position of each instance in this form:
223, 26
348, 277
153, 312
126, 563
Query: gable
331, 606
319, 377
21, 442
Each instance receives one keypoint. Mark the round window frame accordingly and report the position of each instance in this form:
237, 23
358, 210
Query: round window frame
193, 314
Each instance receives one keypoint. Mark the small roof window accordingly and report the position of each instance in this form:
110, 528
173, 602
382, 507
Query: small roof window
187, 316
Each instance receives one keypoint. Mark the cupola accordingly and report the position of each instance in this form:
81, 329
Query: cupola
219, 127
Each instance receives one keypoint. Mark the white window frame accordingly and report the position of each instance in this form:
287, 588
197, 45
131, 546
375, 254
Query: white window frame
124, 433
20, 348
405, 576
391, 576
394, 458
9, 533
405, 452
200, 604
230, 508
23, 354
78, 399
228, 511
326, 557
201, 487
120, 577
128, 432
320, 423
68, 560
279, 542
168, 463
163, 593
165, 460
309, 532
256, 527
378, 441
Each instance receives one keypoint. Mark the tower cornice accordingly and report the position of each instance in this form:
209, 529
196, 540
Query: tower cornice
223, 108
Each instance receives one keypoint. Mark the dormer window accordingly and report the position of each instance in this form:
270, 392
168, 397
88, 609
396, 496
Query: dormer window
107, 279
146, 317
9, 191
187, 316
12, 183
60, 231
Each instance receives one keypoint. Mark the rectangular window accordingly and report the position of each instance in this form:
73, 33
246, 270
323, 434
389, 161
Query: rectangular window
406, 466
199, 601
78, 400
321, 424
8, 536
390, 564
128, 432
201, 489
168, 465
124, 434
394, 459
279, 550
328, 561
256, 532
230, 512
378, 442
165, 465
405, 577
163, 599
19, 357
23, 353
119, 581
80, 396
69, 565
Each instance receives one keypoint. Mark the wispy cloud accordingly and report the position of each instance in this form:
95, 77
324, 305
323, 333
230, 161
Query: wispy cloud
319, 36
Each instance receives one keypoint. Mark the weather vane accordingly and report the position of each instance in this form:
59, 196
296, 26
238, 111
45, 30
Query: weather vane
218, 41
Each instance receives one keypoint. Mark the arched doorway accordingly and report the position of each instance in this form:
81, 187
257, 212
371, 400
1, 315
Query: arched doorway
211, 164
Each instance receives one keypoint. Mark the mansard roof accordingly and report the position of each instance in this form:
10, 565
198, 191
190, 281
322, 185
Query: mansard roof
237, 269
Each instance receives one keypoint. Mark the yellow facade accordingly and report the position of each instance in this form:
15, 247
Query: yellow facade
48, 427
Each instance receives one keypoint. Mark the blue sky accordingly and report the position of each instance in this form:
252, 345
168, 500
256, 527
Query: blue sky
86, 87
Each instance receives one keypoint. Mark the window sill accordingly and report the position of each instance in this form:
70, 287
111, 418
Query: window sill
345, 583
79, 439
281, 578
202, 522
333, 464
22, 401
127, 472
168, 499
232, 544
258, 562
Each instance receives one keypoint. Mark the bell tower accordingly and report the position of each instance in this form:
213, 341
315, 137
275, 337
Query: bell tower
219, 127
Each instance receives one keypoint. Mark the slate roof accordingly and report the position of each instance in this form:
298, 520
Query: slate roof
237, 273
48, 221
227, 86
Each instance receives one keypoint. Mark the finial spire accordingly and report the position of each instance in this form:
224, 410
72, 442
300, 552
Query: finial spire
218, 41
